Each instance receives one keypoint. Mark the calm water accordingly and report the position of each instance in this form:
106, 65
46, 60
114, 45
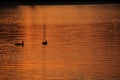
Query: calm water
83, 42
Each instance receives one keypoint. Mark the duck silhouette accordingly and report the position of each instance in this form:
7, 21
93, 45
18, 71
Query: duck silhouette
44, 42
20, 44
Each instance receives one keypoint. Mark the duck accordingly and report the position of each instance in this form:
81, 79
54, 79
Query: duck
20, 44
44, 42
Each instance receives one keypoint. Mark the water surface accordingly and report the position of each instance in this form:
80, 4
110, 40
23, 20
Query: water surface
83, 42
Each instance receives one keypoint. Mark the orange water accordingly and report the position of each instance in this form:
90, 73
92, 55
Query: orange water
83, 42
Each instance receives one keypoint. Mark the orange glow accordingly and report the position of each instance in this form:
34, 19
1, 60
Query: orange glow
83, 42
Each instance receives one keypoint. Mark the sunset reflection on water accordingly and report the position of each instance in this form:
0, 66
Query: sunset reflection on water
83, 42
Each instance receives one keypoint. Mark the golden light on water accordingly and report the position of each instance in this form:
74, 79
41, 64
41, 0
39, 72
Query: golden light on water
83, 42
67, 14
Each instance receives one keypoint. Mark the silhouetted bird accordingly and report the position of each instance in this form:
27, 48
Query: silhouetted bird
44, 42
20, 44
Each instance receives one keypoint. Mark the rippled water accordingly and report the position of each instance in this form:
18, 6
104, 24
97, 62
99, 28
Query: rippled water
83, 42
